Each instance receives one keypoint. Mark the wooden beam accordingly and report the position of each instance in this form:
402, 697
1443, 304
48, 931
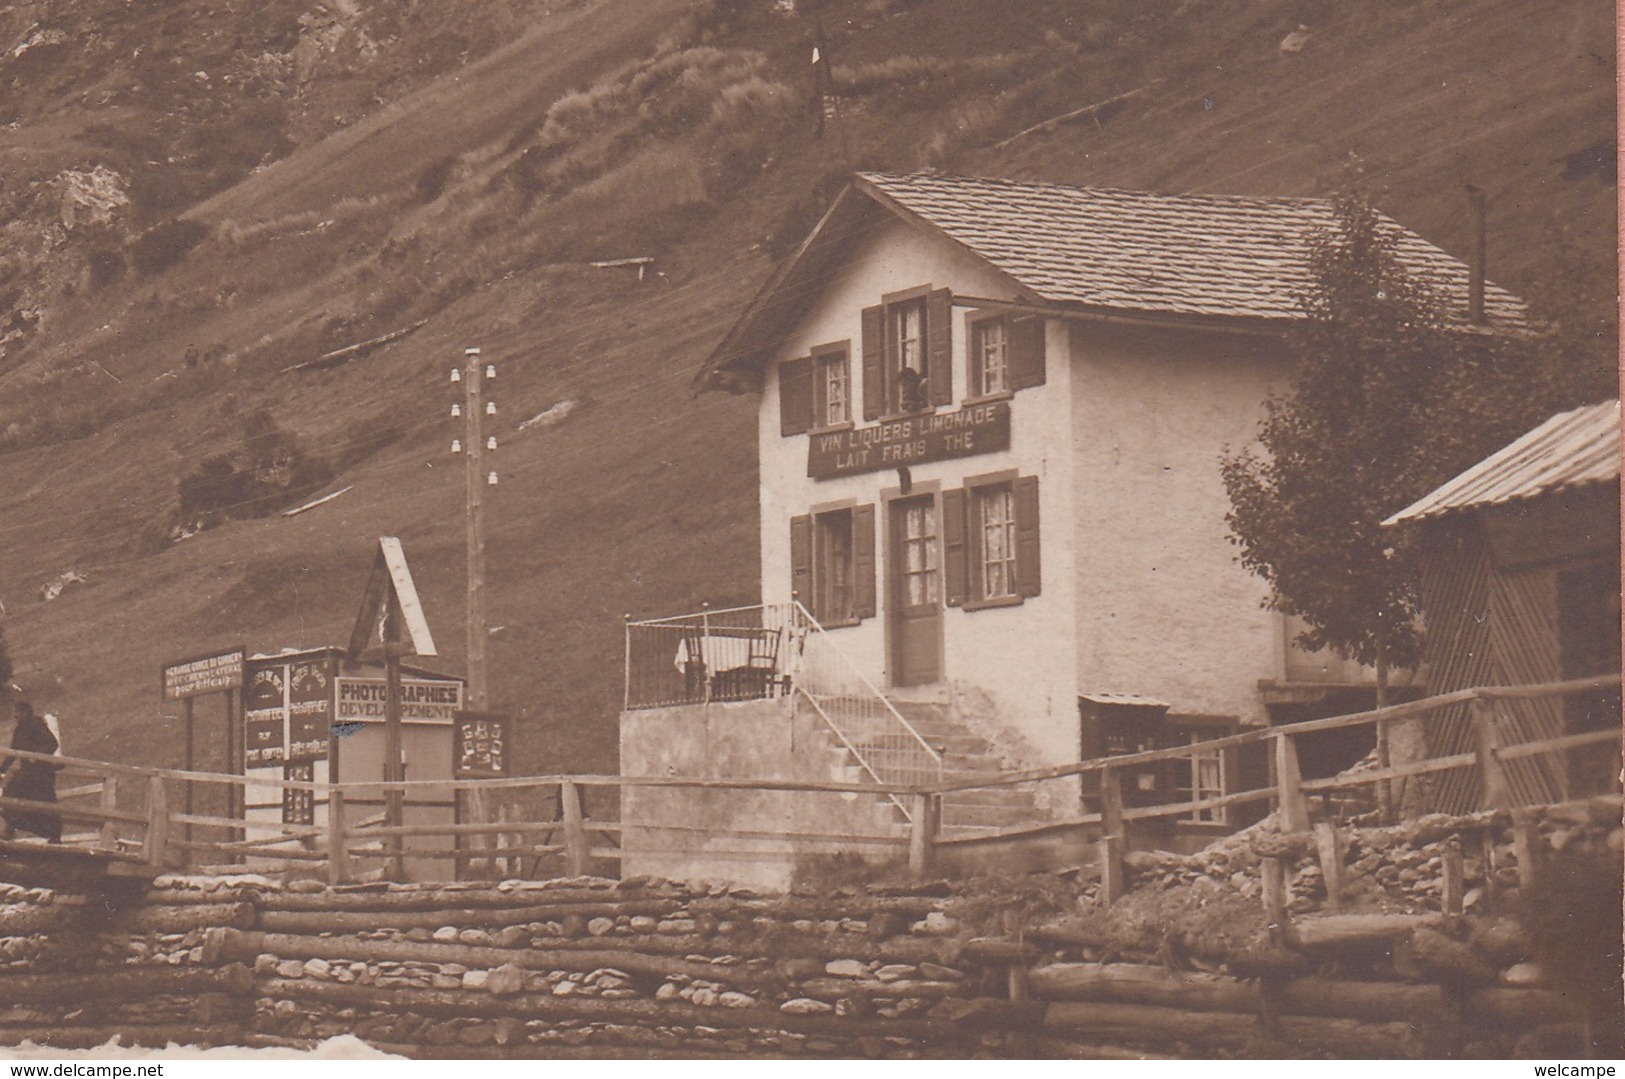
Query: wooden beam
1453, 873
1273, 872
924, 823
576, 853
1294, 809
1329, 845
157, 837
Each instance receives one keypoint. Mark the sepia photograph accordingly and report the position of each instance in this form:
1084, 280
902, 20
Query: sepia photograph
772, 530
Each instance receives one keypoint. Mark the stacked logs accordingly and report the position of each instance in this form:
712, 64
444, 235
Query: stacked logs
1139, 1006
644, 966
78, 971
592, 965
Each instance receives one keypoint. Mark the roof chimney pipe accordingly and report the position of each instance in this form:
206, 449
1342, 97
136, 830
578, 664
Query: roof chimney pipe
1475, 263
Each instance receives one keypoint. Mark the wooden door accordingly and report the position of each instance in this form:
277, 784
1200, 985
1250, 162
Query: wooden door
914, 588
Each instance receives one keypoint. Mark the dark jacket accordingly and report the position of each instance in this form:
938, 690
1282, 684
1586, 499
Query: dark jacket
34, 781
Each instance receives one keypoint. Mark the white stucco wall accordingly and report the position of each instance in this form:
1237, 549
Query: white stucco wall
1164, 609
1021, 658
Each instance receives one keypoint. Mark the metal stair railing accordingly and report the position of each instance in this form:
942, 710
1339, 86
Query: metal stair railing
880, 738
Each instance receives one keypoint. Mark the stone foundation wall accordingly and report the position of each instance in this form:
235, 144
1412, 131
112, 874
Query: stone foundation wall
993, 967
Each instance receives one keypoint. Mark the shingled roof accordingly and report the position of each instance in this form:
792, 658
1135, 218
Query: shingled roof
1177, 257
1572, 449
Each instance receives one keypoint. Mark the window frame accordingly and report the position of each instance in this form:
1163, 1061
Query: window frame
976, 326
822, 520
834, 354
891, 305
976, 488
1186, 781
881, 359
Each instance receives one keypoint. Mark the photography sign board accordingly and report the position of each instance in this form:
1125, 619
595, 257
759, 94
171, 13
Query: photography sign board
287, 710
480, 745
201, 675
422, 700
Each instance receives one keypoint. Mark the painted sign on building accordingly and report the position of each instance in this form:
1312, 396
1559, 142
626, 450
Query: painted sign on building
362, 699
287, 711
911, 440
480, 746
203, 674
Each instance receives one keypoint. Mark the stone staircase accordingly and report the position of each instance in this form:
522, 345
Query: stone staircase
964, 755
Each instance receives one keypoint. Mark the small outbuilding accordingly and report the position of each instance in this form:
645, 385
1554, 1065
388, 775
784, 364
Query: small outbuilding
1521, 586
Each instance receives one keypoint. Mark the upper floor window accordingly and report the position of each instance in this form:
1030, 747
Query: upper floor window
911, 366
816, 390
832, 386
1005, 352
990, 357
907, 353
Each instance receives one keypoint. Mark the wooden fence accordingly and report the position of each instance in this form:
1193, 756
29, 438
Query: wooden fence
132, 814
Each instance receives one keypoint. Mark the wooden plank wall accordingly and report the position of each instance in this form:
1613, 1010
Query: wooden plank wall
1524, 641
1455, 590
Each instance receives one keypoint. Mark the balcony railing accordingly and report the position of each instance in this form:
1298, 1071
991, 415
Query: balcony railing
733, 654
753, 653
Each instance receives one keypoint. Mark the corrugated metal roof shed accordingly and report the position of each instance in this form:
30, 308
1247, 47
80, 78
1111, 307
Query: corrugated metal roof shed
1569, 450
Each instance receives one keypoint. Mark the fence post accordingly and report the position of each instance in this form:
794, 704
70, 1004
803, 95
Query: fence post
478, 861
1454, 878
109, 803
157, 823
1330, 847
1273, 872
1491, 774
925, 811
1289, 787
575, 833
1526, 849
1113, 836
504, 862
626, 632
338, 839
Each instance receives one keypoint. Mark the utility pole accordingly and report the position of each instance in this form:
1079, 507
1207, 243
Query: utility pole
475, 407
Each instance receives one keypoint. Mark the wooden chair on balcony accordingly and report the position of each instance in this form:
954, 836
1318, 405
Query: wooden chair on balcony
696, 676
758, 676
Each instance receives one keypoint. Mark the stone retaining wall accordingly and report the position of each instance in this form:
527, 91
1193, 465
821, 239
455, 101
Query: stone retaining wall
650, 967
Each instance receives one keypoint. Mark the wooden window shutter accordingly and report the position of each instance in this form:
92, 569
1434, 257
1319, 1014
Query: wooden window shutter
796, 396
1026, 352
874, 362
1029, 578
954, 563
801, 561
939, 320
863, 560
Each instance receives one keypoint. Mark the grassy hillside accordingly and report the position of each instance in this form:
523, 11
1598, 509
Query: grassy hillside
468, 189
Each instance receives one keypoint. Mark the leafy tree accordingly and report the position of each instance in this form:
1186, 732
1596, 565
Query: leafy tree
1390, 396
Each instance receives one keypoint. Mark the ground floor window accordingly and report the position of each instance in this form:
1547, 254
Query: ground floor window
991, 541
832, 563
832, 568
1201, 775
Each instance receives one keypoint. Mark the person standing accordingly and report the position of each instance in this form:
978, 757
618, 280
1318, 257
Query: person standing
31, 780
